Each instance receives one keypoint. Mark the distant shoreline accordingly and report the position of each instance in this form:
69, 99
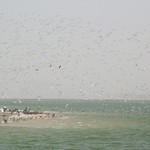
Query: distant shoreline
127, 99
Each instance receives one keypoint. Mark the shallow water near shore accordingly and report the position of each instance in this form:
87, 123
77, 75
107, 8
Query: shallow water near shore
83, 125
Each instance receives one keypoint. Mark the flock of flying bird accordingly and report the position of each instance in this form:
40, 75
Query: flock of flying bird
55, 57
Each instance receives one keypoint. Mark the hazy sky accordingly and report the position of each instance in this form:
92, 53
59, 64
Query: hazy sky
90, 49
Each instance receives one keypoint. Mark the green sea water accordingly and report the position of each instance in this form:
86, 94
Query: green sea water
89, 125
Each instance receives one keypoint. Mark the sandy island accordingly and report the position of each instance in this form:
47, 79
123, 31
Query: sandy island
59, 120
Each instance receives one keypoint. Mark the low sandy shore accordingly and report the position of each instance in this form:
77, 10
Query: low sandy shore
46, 119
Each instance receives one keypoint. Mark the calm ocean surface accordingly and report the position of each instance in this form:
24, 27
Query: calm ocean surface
89, 125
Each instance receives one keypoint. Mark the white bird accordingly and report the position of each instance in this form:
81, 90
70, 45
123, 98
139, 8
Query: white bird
2, 110
19, 101
66, 105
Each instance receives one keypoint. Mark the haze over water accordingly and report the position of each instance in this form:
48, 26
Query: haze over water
75, 49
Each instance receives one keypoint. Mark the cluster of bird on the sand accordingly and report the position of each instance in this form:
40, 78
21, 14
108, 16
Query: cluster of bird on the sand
16, 115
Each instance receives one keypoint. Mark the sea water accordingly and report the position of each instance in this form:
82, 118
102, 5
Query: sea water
85, 125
